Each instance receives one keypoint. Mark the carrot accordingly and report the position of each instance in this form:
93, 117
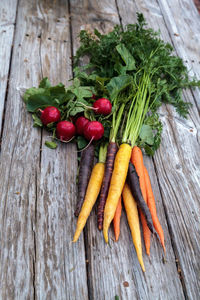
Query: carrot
133, 181
116, 185
116, 220
133, 221
87, 158
152, 207
137, 160
92, 193
146, 233
111, 153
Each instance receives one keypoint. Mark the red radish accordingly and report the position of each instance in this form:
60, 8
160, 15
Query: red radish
80, 124
103, 106
94, 96
49, 115
65, 130
93, 130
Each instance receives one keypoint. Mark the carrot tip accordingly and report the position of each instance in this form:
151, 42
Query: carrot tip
143, 268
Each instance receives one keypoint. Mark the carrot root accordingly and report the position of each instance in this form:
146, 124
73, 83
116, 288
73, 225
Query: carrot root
152, 207
116, 185
137, 160
133, 221
116, 220
87, 158
111, 153
92, 193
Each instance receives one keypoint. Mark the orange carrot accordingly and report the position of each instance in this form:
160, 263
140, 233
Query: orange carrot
137, 160
152, 207
116, 220
146, 232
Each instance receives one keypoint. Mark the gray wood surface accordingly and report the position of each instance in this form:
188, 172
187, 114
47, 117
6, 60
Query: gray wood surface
7, 25
37, 185
37, 223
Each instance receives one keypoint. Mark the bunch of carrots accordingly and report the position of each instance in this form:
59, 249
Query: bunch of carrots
120, 174
131, 181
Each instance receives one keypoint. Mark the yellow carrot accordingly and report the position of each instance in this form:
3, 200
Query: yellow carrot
116, 185
133, 221
92, 193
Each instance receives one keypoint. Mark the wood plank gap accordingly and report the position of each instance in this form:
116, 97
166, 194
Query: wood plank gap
40, 56
120, 18
8, 78
35, 226
179, 271
89, 281
71, 36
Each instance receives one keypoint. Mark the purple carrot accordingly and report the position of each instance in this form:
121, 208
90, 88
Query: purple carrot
133, 181
86, 164
111, 153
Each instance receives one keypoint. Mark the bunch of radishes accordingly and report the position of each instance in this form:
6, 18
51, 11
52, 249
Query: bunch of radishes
66, 130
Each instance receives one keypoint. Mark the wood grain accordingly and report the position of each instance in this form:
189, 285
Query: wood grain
177, 160
37, 258
7, 25
37, 186
61, 273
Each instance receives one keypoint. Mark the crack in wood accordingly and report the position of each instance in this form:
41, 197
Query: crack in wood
8, 78
71, 35
118, 12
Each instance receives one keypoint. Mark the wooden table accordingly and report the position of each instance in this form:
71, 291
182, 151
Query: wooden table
37, 185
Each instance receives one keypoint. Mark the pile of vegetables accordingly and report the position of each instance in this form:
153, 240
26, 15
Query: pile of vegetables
110, 111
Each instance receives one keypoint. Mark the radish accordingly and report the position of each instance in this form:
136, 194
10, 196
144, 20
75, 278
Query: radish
102, 106
93, 130
80, 124
65, 130
49, 115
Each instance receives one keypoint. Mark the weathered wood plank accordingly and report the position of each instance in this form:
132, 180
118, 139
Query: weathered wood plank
20, 153
61, 273
109, 268
183, 23
177, 164
7, 19
37, 259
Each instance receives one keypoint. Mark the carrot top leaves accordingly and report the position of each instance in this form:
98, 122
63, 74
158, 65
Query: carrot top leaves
146, 62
